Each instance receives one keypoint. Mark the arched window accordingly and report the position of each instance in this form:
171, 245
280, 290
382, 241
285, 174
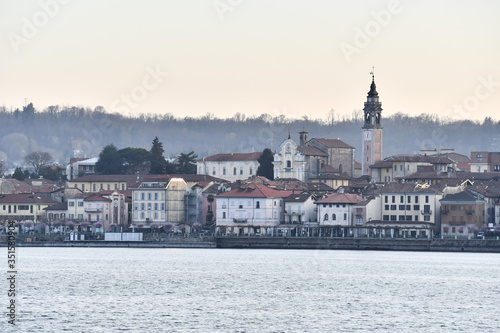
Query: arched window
326, 217
288, 164
334, 217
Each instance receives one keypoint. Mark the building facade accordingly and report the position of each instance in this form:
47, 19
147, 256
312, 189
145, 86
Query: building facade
462, 214
372, 130
231, 167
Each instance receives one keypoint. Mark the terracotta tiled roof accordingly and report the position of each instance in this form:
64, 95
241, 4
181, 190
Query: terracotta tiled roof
232, 157
333, 143
25, 198
341, 198
298, 197
255, 191
96, 197
311, 151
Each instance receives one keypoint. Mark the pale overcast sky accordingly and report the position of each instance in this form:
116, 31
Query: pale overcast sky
291, 57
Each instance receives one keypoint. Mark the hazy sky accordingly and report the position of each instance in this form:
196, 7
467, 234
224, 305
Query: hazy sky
291, 57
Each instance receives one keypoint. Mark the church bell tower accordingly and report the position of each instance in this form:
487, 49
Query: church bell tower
372, 130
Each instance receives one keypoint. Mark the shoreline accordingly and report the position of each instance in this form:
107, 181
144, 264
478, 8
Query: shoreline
242, 242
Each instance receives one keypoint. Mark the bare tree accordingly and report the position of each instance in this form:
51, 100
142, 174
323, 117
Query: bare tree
3, 168
38, 159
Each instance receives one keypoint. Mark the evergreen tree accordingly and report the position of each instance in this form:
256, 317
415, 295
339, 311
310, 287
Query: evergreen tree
266, 164
110, 161
186, 163
158, 163
18, 174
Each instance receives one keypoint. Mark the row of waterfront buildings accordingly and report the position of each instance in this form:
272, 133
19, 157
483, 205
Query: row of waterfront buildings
318, 189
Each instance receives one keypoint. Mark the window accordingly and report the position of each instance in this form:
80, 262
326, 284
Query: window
386, 207
401, 199
156, 206
416, 207
409, 199
416, 217
136, 206
213, 171
408, 217
223, 215
224, 171
386, 199
149, 196
402, 217
123, 187
479, 157
241, 170
402, 207
334, 217
116, 186
163, 206
251, 171
393, 218
155, 215
325, 218
288, 164
427, 218
426, 199
71, 203
416, 199
80, 216
149, 205
143, 206
393, 207
408, 207
234, 171
401, 167
101, 187
71, 216
257, 204
93, 188
324, 205
345, 216
386, 218
427, 208
143, 196
393, 199
83, 187
80, 203
23, 207
156, 196
395, 168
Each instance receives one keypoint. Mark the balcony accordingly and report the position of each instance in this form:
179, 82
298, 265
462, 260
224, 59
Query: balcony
240, 220
93, 210
426, 212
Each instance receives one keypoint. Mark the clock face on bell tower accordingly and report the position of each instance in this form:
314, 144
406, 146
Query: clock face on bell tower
368, 135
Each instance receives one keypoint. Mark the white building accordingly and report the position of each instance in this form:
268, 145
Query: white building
159, 202
300, 208
251, 209
337, 209
80, 166
231, 167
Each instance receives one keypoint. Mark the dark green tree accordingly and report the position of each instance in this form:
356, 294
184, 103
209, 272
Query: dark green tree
157, 161
170, 167
186, 163
266, 164
134, 159
18, 174
51, 173
110, 162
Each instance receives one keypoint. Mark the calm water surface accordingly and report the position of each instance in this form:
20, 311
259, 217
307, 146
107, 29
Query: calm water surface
216, 290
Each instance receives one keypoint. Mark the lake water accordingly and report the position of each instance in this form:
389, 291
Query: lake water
229, 290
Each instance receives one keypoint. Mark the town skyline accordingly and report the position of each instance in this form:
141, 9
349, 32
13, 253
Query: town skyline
222, 57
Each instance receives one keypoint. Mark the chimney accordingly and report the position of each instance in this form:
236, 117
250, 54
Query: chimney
303, 138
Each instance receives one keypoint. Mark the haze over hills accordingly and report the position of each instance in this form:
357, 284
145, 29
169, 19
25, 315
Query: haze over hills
67, 132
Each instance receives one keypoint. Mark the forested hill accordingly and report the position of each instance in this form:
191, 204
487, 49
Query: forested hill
67, 132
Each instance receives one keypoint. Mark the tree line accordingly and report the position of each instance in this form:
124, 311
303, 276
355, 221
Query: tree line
70, 131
